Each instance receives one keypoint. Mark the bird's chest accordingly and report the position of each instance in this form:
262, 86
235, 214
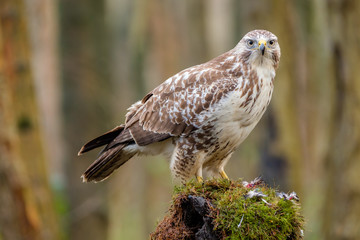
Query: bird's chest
242, 110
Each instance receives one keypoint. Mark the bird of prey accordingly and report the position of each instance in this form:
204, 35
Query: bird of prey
197, 117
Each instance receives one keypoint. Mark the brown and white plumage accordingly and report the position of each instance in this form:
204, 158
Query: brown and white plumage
199, 116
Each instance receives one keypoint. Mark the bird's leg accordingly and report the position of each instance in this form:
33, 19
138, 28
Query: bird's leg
198, 175
221, 167
223, 174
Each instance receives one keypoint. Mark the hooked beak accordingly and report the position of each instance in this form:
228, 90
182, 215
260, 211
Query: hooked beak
262, 44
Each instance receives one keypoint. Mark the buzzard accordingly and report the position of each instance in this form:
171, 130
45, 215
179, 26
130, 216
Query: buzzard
197, 117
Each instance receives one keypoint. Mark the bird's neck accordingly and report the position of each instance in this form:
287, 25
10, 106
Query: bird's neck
264, 71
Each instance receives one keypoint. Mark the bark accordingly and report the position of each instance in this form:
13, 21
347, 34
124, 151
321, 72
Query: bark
27, 209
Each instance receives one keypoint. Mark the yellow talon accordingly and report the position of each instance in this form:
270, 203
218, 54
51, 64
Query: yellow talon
223, 175
199, 179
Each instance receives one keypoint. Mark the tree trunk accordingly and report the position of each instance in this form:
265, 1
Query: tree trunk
43, 31
341, 218
221, 209
27, 209
86, 85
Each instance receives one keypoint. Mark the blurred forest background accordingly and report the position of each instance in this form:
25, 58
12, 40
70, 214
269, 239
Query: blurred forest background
69, 70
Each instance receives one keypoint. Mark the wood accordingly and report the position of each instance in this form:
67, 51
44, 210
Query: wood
27, 210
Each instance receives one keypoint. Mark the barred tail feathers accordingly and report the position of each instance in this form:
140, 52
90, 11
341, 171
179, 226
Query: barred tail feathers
121, 145
118, 150
107, 163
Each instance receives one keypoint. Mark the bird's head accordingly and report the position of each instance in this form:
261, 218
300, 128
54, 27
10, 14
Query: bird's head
259, 47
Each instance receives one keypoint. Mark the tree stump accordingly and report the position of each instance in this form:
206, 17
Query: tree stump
223, 209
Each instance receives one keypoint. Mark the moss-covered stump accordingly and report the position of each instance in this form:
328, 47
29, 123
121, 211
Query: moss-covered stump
223, 209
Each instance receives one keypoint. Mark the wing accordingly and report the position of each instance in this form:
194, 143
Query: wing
177, 106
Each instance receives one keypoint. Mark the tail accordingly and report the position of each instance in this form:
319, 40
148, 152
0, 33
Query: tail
111, 157
104, 139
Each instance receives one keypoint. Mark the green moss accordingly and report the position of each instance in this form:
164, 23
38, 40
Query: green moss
274, 219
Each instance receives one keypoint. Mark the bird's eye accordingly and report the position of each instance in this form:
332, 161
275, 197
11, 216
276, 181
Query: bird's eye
271, 42
250, 42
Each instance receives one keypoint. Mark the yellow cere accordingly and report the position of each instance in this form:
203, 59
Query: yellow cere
262, 42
